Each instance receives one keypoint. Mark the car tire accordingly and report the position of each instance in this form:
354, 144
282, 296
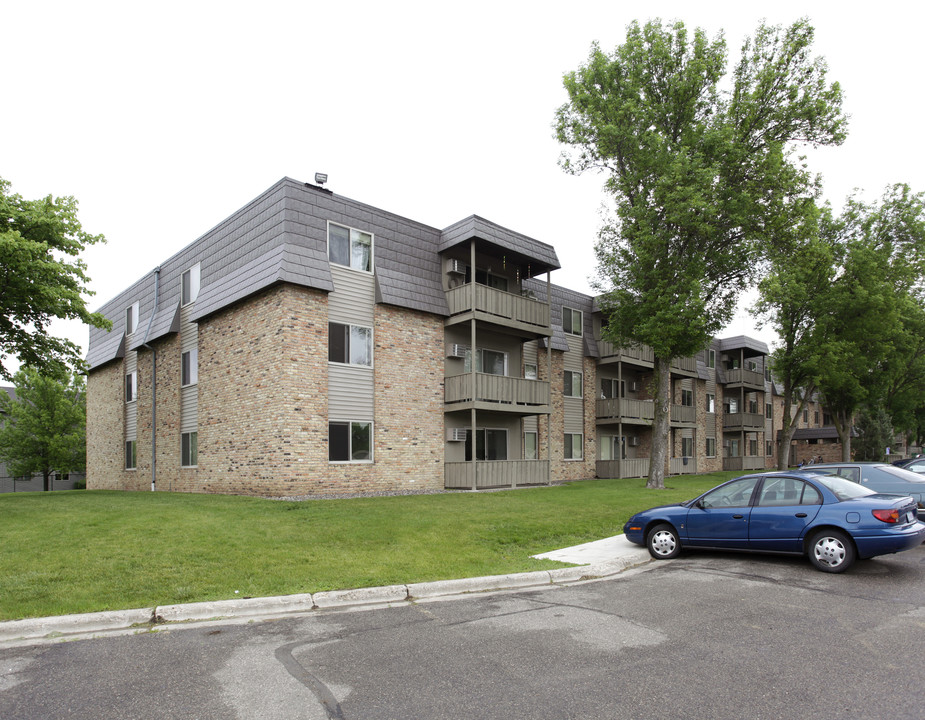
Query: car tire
831, 551
662, 542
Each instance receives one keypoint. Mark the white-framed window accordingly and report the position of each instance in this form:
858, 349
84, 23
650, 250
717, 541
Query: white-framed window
530, 371
571, 321
130, 457
711, 403
612, 388
613, 447
189, 367
571, 384
530, 445
189, 449
490, 444
350, 248
711, 358
769, 447
350, 344
711, 447
687, 398
768, 410
574, 446
131, 318
189, 285
350, 441
131, 387
490, 362
732, 406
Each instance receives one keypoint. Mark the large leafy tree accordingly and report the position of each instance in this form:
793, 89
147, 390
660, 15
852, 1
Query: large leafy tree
41, 277
871, 312
702, 178
43, 430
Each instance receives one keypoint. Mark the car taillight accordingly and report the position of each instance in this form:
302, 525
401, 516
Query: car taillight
887, 516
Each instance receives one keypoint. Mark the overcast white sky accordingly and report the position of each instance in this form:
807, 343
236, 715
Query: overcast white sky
164, 118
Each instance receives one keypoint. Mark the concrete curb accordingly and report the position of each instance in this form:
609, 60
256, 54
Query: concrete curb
69, 627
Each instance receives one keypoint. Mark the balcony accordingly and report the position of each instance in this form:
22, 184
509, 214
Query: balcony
743, 421
684, 366
494, 473
629, 468
480, 302
638, 412
747, 378
744, 463
496, 392
683, 415
682, 466
641, 355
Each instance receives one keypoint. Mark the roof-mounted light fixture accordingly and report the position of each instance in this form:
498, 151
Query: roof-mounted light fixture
321, 178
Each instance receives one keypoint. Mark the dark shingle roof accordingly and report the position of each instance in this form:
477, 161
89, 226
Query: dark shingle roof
524, 250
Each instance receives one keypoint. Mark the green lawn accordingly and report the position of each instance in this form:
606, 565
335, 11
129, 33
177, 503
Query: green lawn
84, 551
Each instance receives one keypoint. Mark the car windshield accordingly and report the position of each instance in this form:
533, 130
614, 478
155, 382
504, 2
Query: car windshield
844, 489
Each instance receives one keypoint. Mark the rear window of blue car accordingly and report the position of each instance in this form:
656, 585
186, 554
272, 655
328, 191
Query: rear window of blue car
844, 489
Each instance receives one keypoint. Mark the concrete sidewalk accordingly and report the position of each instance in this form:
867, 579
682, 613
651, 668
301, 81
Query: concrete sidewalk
594, 560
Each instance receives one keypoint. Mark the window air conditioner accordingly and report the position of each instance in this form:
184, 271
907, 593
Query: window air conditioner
455, 267
457, 350
634, 440
456, 434
634, 386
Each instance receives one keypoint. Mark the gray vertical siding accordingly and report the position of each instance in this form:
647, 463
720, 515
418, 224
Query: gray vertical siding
351, 387
574, 408
131, 409
189, 396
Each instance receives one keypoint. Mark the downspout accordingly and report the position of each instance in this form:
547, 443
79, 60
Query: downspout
144, 343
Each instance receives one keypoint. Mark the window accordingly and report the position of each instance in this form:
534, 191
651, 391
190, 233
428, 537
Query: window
131, 318
732, 405
490, 444
189, 449
612, 388
530, 371
687, 398
711, 447
485, 277
711, 403
350, 248
129, 454
574, 447
806, 416
769, 447
737, 493
613, 447
571, 321
768, 409
781, 492
753, 407
752, 365
816, 418
530, 445
687, 447
711, 358
131, 387
189, 367
752, 448
189, 285
350, 441
350, 344
571, 384
490, 362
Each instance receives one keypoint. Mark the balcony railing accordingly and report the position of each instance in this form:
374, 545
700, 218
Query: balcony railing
626, 410
687, 365
741, 376
495, 473
743, 421
744, 463
630, 468
640, 354
686, 414
682, 466
498, 389
502, 305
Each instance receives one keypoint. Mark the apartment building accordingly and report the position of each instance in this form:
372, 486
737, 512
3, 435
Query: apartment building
314, 345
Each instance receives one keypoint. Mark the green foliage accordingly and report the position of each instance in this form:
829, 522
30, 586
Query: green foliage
44, 429
145, 549
875, 434
41, 277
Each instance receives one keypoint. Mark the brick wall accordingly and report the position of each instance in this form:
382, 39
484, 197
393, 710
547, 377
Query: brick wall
106, 427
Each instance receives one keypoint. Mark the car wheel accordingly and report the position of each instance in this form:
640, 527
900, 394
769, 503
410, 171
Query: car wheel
831, 551
663, 542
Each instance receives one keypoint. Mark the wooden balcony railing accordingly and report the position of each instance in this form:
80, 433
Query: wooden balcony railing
499, 389
495, 473
502, 305
629, 468
741, 376
624, 409
743, 421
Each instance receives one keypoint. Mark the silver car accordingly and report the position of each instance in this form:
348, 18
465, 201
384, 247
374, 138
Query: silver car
879, 477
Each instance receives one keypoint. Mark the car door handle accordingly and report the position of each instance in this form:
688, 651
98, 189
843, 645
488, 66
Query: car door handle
737, 517
801, 515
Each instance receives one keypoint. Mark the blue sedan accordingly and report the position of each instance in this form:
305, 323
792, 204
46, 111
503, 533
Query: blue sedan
829, 519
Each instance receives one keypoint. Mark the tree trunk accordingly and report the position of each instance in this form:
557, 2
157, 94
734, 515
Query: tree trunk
790, 422
45, 476
661, 390
843, 426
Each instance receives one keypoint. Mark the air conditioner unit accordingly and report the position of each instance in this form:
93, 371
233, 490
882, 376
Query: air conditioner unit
455, 267
457, 434
634, 386
456, 350
725, 443
633, 440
